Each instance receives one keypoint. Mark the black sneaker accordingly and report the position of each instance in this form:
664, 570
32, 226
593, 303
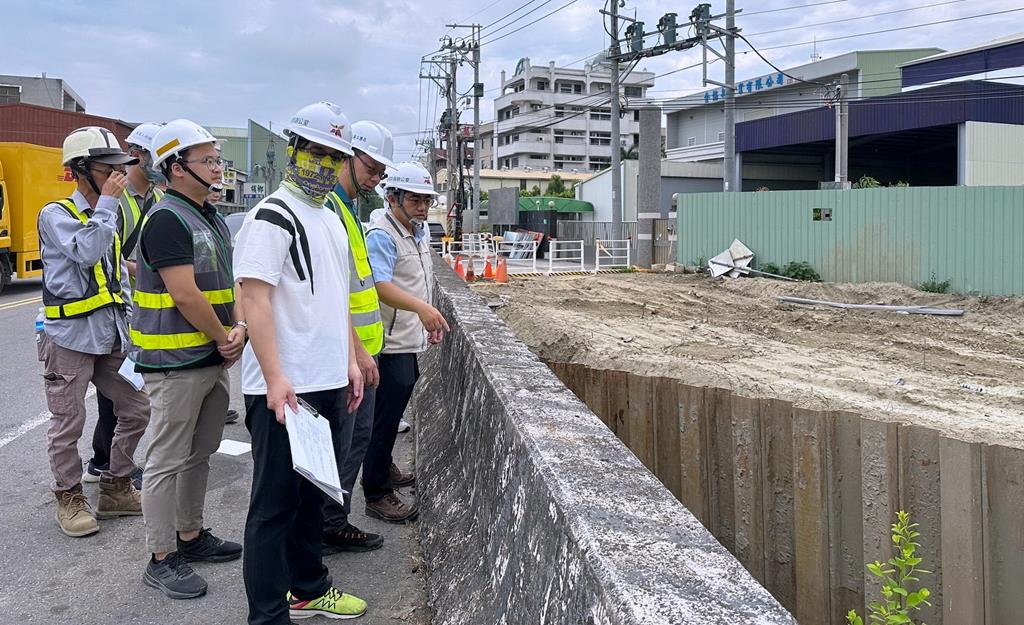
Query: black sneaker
351, 538
93, 471
174, 577
208, 548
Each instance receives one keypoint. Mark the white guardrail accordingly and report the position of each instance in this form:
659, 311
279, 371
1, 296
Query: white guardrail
611, 253
519, 251
564, 251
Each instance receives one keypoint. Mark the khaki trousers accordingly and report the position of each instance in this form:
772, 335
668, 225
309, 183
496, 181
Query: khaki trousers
189, 407
66, 377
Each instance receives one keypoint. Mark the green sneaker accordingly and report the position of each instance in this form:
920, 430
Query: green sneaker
333, 604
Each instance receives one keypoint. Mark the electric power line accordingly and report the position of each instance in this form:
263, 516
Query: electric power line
789, 8
543, 17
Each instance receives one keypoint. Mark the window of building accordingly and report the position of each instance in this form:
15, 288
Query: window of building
692, 141
600, 86
600, 138
601, 114
721, 136
636, 116
515, 138
515, 162
535, 107
559, 111
10, 94
542, 85
634, 92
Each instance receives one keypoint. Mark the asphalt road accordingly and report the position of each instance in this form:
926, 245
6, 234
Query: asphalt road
47, 577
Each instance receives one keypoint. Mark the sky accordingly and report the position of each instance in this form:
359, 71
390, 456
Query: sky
221, 63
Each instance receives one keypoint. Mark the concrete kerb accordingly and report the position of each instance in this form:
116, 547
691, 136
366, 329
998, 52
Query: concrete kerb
531, 509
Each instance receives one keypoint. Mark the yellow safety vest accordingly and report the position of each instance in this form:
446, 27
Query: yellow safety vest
103, 290
362, 300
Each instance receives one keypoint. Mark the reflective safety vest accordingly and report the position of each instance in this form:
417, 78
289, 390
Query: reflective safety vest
103, 289
161, 336
362, 300
131, 214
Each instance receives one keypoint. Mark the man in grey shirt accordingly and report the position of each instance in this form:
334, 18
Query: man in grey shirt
86, 296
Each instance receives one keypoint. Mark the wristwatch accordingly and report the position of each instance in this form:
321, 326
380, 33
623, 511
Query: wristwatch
241, 324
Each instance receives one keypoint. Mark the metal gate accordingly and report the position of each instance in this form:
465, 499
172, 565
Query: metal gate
664, 241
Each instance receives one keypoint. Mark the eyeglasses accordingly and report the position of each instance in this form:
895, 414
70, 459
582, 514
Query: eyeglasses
107, 172
211, 162
379, 172
427, 201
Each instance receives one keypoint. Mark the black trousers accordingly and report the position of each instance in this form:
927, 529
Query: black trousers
398, 375
284, 524
103, 434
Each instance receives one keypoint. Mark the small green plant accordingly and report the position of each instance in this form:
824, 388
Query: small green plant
934, 286
771, 268
866, 182
800, 270
898, 576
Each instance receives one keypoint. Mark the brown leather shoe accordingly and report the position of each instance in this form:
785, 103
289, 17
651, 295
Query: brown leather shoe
73, 514
118, 497
399, 479
391, 509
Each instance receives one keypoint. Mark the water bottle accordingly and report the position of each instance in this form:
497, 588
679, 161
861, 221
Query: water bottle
40, 323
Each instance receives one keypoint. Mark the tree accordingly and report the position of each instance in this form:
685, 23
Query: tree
632, 154
555, 185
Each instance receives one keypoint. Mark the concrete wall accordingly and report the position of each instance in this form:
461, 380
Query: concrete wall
993, 155
531, 511
804, 499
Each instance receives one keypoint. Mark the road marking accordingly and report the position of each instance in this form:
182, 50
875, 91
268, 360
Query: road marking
35, 422
23, 302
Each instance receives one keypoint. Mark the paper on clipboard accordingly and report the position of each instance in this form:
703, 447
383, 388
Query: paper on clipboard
130, 375
309, 436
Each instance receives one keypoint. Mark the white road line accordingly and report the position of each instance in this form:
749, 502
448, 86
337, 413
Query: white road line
35, 422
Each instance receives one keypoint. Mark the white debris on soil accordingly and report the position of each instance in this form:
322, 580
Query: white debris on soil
734, 334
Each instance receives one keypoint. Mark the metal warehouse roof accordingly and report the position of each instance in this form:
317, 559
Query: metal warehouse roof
954, 103
987, 57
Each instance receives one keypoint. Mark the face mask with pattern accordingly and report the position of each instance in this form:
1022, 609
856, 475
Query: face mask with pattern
314, 175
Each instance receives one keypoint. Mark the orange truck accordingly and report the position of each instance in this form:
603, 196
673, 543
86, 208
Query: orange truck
31, 176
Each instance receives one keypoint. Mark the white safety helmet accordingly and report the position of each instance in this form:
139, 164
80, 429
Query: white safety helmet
178, 135
96, 144
375, 140
143, 135
322, 123
411, 177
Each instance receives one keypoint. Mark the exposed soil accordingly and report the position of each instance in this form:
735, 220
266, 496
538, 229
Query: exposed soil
734, 334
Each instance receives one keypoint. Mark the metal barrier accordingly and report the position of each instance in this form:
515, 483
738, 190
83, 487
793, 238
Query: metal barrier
477, 244
589, 231
441, 247
518, 250
611, 253
567, 251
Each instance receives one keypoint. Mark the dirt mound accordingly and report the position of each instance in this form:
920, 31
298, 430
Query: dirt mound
735, 334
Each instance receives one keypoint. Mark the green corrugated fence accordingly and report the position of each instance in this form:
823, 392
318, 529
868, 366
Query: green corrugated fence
972, 236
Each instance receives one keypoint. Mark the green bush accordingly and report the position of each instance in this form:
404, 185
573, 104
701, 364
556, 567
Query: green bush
934, 286
898, 576
771, 268
801, 270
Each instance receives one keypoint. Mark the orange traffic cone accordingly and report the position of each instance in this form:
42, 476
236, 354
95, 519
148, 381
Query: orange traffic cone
460, 271
488, 269
501, 275
470, 274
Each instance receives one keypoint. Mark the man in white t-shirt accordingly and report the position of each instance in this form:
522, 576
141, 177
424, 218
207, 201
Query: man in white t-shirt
292, 260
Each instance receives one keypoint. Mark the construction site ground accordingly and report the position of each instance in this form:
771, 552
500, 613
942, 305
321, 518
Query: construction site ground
733, 333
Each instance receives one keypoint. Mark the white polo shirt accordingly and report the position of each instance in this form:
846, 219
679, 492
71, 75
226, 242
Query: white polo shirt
303, 253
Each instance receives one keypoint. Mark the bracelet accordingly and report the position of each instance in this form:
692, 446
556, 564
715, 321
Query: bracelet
241, 324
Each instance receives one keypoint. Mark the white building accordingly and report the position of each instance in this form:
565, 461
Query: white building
559, 119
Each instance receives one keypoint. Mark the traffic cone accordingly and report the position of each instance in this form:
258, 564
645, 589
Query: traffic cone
501, 275
470, 274
460, 271
488, 269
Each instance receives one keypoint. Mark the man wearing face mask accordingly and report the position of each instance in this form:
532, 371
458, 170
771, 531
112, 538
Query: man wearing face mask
133, 205
399, 250
292, 262
374, 147
85, 287
186, 332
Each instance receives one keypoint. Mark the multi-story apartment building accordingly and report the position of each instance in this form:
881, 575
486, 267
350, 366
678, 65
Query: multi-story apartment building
559, 119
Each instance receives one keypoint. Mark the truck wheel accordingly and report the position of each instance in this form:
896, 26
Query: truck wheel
5, 272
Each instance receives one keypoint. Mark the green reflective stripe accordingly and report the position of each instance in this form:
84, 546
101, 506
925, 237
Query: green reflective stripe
136, 212
184, 340
164, 300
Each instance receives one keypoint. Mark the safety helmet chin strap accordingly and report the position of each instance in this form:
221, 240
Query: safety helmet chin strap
400, 198
211, 187
82, 169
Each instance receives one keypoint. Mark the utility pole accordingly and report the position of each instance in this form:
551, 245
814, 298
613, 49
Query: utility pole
842, 132
616, 137
478, 92
729, 175
453, 125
